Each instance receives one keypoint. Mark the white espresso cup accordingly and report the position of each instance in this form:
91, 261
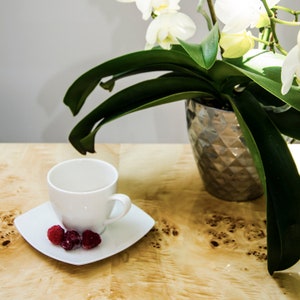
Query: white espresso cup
82, 193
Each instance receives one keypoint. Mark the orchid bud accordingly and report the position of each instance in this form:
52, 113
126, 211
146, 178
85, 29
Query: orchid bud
237, 44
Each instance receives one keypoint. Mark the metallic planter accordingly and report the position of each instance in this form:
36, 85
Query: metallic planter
223, 160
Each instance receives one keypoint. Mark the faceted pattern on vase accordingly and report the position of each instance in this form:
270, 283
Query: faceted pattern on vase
224, 162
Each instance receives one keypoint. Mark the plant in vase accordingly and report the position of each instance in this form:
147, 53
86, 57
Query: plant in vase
259, 85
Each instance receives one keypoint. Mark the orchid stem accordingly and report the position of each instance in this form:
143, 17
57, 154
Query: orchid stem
212, 11
295, 13
272, 18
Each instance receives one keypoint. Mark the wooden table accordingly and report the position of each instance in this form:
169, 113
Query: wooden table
199, 248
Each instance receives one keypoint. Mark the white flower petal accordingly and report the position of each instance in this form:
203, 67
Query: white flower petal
239, 15
145, 7
272, 3
236, 24
167, 27
226, 10
298, 74
160, 6
298, 39
183, 26
289, 68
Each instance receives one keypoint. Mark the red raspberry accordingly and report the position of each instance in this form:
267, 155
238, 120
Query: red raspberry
90, 239
67, 244
72, 240
56, 234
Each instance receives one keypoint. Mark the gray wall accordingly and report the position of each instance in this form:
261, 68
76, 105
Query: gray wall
46, 44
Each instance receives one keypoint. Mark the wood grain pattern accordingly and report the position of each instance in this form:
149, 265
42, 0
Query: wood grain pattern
200, 247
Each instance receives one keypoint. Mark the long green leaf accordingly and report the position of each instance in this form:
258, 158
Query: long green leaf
288, 122
264, 68
221, 71
130, 64
88, 142
138, 96
110, 83
282, 183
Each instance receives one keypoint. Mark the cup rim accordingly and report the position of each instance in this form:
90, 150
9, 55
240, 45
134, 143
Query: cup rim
57, 165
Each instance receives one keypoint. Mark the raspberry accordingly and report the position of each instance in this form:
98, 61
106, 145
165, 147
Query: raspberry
72, 240
67, 244
90, 239
56, 234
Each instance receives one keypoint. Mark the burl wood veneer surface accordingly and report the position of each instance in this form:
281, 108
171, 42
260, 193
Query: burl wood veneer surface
200, 247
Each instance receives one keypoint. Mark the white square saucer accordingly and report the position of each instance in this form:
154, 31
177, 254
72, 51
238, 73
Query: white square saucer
33, 226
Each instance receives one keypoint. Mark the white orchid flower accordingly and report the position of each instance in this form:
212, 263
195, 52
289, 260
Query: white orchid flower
167, 27
238, 15
147, 7
290, 68
236, 44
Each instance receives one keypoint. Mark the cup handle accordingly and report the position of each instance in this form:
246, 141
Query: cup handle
126, 203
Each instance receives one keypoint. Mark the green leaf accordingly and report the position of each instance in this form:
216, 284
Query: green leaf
222, 71
287, 122
87, 143
264, 68
130, 64
282, 182
139, 96
204, 54
260, 61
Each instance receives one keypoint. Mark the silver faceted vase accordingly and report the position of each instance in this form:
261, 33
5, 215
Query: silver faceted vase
223, 160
